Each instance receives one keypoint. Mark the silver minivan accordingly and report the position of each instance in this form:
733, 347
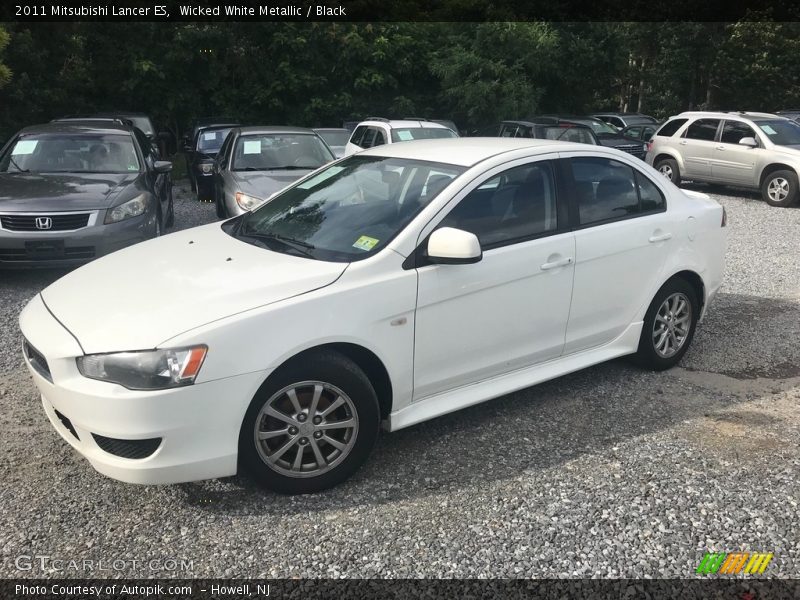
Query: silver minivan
743, 149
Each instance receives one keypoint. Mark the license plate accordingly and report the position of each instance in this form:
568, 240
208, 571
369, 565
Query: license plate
45, 249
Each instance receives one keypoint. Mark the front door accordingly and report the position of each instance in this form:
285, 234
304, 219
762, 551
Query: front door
733, 162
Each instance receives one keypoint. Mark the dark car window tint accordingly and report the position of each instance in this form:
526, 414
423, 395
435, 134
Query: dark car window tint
210, 141
380, 138
358, 135
669, 128
72, 153
733, 131
605, 189
703, 129
515, 205
650, 197
369, 138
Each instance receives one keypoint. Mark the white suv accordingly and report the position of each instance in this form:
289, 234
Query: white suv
743, 149
376, 131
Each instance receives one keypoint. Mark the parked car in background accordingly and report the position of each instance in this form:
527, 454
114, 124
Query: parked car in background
200, 157
256, 162
282, 339
350, 124
744, 149
563, 131
621, 120
793, 114
376, 131
136, 119
606, 134
70, 192
641, 132
335, 137
197, 124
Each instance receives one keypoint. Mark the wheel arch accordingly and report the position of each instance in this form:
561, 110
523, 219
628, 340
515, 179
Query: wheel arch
771, 168
663, 154
694, 280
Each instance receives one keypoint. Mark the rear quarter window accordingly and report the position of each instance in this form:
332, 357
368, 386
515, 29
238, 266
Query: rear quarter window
670, 127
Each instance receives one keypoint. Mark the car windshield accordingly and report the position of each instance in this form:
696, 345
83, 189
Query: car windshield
335, 138
601, 126
781, 132
640, 120
405, 134
272, 151
347, 211
71, 153
210, 141
582, 135
144, 124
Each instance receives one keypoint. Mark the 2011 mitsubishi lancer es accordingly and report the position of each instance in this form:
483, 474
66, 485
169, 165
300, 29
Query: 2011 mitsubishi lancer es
391, 286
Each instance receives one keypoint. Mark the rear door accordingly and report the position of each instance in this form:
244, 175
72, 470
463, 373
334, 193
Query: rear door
697, 147
732, 162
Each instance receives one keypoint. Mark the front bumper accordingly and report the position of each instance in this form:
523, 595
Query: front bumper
189, 433
56, 249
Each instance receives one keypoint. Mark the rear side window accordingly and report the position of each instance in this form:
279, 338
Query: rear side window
670, 127
608, 190
703, 129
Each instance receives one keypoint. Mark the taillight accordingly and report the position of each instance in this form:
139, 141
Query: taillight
649, 146
724, 218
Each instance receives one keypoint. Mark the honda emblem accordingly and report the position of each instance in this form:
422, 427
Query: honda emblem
44, 223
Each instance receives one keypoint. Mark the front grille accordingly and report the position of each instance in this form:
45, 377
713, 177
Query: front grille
57, 222
635, 149
66, 423
127, 448
37, 360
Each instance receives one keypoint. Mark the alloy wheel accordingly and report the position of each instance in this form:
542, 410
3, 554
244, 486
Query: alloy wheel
306, 429
672, 323
665, 170
778, 189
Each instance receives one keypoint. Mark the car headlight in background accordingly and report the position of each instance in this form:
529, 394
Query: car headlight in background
126, 210
205, 168
247, 202
147, 369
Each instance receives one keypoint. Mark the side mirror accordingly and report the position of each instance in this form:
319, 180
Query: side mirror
162, 166
450, 246
750, 142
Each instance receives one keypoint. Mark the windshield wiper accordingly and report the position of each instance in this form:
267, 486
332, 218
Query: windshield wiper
289, 168
296, 245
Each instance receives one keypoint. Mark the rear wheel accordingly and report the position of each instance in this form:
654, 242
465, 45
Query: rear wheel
668, 167
669, 325
311, 426
779, 188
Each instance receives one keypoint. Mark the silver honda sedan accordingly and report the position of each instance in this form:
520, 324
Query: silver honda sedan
255, 162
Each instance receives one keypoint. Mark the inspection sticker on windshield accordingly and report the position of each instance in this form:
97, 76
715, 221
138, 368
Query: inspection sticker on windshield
405, 136
365, 243
211, 135
24, 147
768, 130
252, 147
326, 174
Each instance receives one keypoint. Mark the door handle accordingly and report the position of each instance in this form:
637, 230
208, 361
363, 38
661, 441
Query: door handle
663, 237
721, 148
683, 142
556, 263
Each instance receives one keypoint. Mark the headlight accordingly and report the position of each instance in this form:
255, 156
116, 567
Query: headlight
131, 208
205, 168
247, 202
145, 370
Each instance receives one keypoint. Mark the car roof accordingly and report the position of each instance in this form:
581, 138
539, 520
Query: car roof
559, 123
467, 151
88, 126
726, 115
403, 123
254, 129
331, 129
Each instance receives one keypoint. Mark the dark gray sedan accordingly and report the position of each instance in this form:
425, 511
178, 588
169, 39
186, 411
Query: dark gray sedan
70, 192
256, 162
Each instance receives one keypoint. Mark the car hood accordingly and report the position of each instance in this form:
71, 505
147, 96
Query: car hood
262, 184
139, 297
61, 191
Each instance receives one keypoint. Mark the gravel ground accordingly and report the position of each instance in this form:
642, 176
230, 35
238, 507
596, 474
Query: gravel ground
608, 472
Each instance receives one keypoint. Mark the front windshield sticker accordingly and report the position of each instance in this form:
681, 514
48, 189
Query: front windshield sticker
768, 130
24, 147
133, 168
326, 174
252, 147
210, 136
405, 136
365, 243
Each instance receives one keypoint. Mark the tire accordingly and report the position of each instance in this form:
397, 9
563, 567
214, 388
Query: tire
273, 461
221, 212
170, 209
779, 188
668, 167
159, 229
654, 350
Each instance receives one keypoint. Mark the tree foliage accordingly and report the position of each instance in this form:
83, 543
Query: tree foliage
317, 74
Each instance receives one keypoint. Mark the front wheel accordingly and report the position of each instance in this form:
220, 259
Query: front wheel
311, 426
669, 325
668, 167
779, 188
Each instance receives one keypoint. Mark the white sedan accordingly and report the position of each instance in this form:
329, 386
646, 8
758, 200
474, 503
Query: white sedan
392, 286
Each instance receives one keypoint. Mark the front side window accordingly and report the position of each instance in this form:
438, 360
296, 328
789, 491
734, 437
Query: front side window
733, 131
781, 132
634, 132
380, 138
347, 211
703, 129
369, 138
71, 153
608, 190
516, 205
210, 141
274, 151
406, 134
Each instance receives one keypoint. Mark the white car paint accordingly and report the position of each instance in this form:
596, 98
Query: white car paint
449, 336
